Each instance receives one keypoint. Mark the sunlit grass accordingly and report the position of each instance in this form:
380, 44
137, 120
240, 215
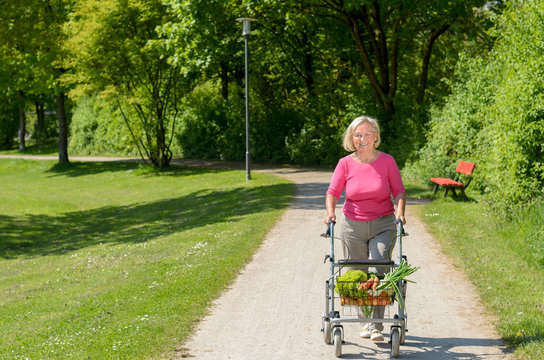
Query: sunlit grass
111, 260
504, 260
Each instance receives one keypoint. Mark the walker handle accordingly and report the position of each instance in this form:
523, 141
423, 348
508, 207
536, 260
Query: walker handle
400, 228
329, 230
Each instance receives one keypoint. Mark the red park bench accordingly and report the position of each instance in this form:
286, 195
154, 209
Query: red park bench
464, 168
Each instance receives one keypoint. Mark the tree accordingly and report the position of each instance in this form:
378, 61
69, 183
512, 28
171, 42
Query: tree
117, 51
206, 38
385, 34
33, 35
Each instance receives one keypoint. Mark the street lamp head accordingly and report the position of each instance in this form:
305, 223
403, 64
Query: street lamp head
246, 22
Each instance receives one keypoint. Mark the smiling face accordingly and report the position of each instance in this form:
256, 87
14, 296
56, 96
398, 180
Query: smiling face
364, 137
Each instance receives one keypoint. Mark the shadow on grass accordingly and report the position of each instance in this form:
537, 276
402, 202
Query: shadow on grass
40, 235
75, 169
47, 148
457, 198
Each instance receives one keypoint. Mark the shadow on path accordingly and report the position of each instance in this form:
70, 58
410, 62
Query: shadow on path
426, 348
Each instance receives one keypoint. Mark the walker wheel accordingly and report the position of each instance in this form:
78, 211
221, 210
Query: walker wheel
337, 342
395, 342
327, 336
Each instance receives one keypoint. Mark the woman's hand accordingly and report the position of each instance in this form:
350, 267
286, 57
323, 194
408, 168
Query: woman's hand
330, 218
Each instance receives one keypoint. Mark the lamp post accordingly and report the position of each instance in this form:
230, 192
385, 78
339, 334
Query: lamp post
246, 31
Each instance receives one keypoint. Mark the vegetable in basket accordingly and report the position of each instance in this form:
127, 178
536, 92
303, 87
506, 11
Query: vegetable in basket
392, 279
348, 284
371, 283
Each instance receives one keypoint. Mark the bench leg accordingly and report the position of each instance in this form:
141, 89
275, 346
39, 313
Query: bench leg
446, 191
435, 189
463, 193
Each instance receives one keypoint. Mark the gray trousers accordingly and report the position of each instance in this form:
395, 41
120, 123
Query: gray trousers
370, 240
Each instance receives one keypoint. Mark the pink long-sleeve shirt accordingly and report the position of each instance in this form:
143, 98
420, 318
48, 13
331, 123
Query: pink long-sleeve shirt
368, 187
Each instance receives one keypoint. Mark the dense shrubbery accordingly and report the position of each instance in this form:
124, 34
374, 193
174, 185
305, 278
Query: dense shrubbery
98, 129
495, 116
213, 128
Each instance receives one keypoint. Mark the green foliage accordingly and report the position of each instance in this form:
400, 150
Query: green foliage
309, 76
117, 51
31, 57
271, 126
517, 147
348, 284
318, 142
98, 129
495, 116
455, 131
46, 130
213, 128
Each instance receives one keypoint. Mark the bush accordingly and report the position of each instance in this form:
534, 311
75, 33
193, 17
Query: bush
214, 128
211, 128
98, 129
318, 142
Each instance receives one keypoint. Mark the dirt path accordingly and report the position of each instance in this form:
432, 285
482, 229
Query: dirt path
273, 310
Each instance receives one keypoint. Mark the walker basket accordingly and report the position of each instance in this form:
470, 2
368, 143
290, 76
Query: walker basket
365, 297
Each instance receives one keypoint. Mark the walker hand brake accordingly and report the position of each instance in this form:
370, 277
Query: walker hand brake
326, 233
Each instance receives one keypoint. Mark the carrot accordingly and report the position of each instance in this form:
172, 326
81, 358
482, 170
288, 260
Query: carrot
365, 285
375, 284
362, 286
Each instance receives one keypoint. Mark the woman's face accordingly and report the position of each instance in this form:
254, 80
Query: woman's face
364, 137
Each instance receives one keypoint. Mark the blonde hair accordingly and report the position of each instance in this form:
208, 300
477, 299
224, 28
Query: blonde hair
348, 134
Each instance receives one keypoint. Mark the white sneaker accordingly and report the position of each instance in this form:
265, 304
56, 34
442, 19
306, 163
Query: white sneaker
376, 335
365, 333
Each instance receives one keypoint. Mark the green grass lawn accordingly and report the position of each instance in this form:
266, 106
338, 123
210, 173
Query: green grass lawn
504, 260
116, 261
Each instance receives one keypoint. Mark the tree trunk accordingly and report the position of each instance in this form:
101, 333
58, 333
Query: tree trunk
426, 61
63, 129
39, 131
379, 61
308, 63
22, 122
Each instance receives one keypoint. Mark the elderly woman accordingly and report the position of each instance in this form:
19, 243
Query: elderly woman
369, 178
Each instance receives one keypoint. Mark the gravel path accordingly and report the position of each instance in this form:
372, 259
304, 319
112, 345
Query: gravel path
273, 310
